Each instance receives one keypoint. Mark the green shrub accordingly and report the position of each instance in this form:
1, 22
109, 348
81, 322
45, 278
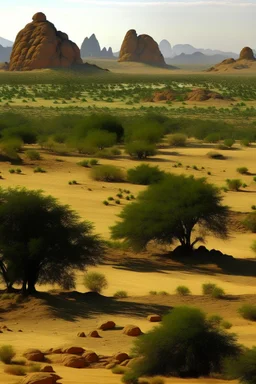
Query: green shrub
208, 288
140, 149
130, 377
121, 295
242, 170
250, 222
11, 170
144, 174
177, 140
39, 170
34, 368
94, 162
234, 184
253, 246
95, 282
243, 368
119, 370
229, 142
184, 345
7, 353
248, 312
15, 370
33, 155
212, 138
108, 173
10, 147
218, 293
226, 324
84, 163
105, 202
245, 142
182, 290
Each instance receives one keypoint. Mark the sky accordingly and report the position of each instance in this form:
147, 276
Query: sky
218, 24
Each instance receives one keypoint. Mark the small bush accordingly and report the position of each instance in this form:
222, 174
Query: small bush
144, 174
94, 162
121, 295
242, 170
95, 282
84, 163
234, 184
34, 368
11, 170
208, 288
248, 312
33, 155
226, 324
16, 370
39, 170
215, 155
218, 293
215, 320
245, 142
229, 142
253, 246
250, 222
118, 202
178, 346
243, 368
7, 353
140, 149
105, 202
119, 370
108, 173
182, 290
177, 140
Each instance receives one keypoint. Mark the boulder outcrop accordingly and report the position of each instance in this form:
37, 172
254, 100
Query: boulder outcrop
40, 45
142, 49
246, 54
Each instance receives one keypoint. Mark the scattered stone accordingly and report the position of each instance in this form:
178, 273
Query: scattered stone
132, 330
73, 361
120, 357
91, 357
40, 378
73, 350
142, 49
107, 326
154, 318
94, 334
81, 334
47, 368
34, 355
55, 350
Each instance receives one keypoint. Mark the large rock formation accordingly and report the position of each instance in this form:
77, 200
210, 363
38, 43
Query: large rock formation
91, 48
142, 49
39, 45
246, 54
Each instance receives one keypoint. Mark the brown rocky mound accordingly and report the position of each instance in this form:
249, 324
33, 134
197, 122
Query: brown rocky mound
142, 49
39, 45
165, 95
203, 95
245, 61
246, 54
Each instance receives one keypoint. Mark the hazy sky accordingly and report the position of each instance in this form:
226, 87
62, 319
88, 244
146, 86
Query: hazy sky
220, 24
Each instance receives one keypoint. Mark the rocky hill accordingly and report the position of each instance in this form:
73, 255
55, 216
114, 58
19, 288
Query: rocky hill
5, 42
246, 60
91, 48
40, 45
142, 49
196, 58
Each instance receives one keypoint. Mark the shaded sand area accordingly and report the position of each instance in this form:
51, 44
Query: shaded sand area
54, 317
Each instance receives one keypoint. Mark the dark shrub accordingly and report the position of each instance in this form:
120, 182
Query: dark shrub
144, 174
140, 149
250, 222
184, 345
243, 368
108, 173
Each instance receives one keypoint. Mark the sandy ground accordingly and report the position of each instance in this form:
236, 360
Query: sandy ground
54, 320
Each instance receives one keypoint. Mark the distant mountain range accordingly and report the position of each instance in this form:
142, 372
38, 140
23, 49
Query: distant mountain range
5, 42
196, 58
5, 53
170, 52
91, 48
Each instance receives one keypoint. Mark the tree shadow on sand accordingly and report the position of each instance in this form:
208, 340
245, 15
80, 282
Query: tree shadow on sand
71, 306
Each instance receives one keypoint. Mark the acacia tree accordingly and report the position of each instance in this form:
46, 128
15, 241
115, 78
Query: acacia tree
42, 241
171, 210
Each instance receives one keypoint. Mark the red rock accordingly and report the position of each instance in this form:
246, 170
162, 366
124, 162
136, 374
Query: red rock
39, 45
246, 54
91, 357
154, 318
94, 334
120, 357
40, 378
47, 368
73, 361
34, 355
132, 330
143, 49
107, 326
73, 350
81, 334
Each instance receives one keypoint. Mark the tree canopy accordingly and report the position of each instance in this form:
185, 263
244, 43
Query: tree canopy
171, 210
42, 241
